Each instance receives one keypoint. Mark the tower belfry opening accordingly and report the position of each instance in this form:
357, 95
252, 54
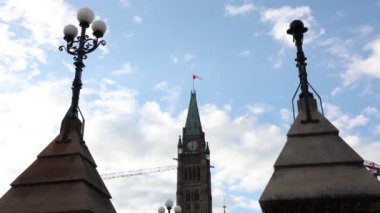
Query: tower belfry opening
193, 174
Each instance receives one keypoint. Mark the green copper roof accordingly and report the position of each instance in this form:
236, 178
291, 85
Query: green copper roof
193, 122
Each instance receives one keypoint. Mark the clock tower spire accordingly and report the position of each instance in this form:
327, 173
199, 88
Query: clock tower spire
193, 122
193, 175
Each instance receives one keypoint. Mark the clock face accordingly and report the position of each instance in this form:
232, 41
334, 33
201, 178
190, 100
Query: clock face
192, 145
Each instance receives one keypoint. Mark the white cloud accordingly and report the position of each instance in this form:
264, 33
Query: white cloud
277, 59
364, 67
280, 18
36, 34
364, 30
137, 19
257, 34
286, 115
336, 46
231, 10
172, 94
69, 66
238, 137
245, 53
354, 71
186, 58
259, 108
103, 50
42, 30
377, 130
18, 54
371, 111
129, 35
174, 59
344, 122
108, 81
369, 150
245, 202
125, 69
125, 3
336, 91
35, 71
357, 66
339, 14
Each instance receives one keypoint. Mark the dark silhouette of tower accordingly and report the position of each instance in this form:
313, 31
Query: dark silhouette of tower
317, 171
193, 175
64, 178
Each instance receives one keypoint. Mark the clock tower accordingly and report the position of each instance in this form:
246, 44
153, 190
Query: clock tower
193, 174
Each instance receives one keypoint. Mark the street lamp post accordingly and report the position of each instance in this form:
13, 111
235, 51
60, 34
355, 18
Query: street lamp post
79, 47
297, 29
169, 204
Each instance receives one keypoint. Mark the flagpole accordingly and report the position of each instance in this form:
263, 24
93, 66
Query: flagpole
193, 81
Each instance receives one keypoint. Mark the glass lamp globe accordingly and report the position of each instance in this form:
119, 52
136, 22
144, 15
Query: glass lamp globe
161, 210
85, 16
99, 28
177, 209
169, 203
70, 32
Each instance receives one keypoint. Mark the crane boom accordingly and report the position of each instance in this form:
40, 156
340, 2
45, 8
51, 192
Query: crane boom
371, 166
130, 173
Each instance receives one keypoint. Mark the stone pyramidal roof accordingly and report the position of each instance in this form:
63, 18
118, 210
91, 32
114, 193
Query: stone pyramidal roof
62, 179
317, 171
318, 168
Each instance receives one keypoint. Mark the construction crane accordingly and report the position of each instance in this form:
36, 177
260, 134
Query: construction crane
224, 205
130, 173
372, 167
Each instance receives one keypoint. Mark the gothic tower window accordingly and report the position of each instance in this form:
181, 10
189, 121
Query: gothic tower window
193, 172
199, 173
185, 173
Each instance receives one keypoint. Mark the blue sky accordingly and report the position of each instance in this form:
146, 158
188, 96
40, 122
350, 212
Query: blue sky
137, 88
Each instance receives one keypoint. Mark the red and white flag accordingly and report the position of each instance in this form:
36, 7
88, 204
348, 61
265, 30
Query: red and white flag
196, 77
